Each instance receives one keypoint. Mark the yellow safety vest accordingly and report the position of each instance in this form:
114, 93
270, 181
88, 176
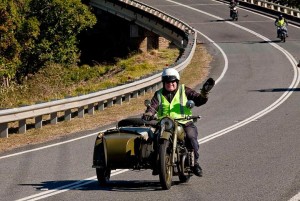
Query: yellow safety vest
177, 108
280, 23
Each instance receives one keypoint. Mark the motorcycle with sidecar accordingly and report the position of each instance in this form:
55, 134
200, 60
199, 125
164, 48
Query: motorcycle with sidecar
137, 144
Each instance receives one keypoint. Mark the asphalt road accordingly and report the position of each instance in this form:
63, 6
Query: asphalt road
249, 133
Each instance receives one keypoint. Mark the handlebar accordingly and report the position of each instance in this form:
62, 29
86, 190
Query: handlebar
154, 122
189, 118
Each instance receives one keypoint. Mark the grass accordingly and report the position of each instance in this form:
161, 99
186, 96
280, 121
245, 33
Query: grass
57, 82
194, 74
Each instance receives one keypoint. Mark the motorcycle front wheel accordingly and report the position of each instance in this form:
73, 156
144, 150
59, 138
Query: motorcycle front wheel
283, 38
165, 165
103, 175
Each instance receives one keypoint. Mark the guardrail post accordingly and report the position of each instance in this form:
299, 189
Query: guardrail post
100, 106
119, 100
81, 112
110, 102
91, 109
68, 115
4, 130
53, 118
278, 9
142, 92
135, 94
38, 121
127, 97
292, 13
22, 126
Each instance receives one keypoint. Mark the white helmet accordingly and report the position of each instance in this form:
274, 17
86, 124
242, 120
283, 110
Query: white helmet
170, 74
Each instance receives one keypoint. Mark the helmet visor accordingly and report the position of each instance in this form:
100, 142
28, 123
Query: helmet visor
169, 78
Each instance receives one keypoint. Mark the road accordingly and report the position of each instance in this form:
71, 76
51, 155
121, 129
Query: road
249, 133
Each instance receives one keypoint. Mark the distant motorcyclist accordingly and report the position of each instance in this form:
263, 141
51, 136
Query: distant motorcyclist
281, 23
232, 6
171, 101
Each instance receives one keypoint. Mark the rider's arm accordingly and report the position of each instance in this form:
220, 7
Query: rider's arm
195, 96
154, 104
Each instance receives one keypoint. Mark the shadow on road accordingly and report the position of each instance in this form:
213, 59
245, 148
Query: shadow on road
224, 20
277, 90
89, 185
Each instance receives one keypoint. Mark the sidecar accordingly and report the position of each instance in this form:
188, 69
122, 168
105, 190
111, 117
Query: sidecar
128, 146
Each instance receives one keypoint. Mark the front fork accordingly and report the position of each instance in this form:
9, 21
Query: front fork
174, 149
173, 140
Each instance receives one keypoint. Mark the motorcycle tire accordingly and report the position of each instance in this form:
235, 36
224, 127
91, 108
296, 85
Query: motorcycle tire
103, 175
166, 168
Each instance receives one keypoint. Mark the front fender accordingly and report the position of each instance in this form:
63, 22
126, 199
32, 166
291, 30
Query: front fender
100, 153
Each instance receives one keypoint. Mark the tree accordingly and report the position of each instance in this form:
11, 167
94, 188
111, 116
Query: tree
57, 23
34, 33
9, 45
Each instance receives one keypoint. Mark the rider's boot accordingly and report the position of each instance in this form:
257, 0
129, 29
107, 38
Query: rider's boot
197, 169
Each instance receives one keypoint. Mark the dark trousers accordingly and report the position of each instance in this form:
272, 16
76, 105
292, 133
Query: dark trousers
192, 138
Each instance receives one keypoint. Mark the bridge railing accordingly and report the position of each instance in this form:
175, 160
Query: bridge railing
272, 8
144, 15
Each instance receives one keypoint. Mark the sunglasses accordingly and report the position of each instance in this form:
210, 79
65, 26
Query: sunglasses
171, 81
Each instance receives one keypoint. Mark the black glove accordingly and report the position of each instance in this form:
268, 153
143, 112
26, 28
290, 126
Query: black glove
147, 116
207, 86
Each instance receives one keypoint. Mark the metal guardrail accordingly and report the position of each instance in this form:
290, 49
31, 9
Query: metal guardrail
144, 15
272, 8
277, 7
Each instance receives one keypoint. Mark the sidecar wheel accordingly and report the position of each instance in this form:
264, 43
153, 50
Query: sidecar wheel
166, 168
103, 175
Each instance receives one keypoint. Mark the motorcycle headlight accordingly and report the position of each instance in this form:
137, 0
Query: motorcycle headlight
167, 123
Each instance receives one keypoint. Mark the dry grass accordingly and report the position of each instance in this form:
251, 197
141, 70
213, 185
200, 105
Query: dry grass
194, 74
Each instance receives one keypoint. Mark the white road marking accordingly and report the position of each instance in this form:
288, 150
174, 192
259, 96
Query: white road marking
68, 187
48, 146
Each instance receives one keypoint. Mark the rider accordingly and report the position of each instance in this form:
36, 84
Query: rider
281, 22
232, 5
171, 100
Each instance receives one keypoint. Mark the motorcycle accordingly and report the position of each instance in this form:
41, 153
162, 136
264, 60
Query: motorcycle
282, 33
234, 13
138, 144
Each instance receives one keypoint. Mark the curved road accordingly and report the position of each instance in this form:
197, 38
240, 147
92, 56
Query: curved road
249, 134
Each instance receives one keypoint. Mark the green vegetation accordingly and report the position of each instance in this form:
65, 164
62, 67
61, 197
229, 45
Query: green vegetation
38, 33
56, 81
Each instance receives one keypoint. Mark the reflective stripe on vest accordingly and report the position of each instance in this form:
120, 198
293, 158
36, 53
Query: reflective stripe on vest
175, 109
